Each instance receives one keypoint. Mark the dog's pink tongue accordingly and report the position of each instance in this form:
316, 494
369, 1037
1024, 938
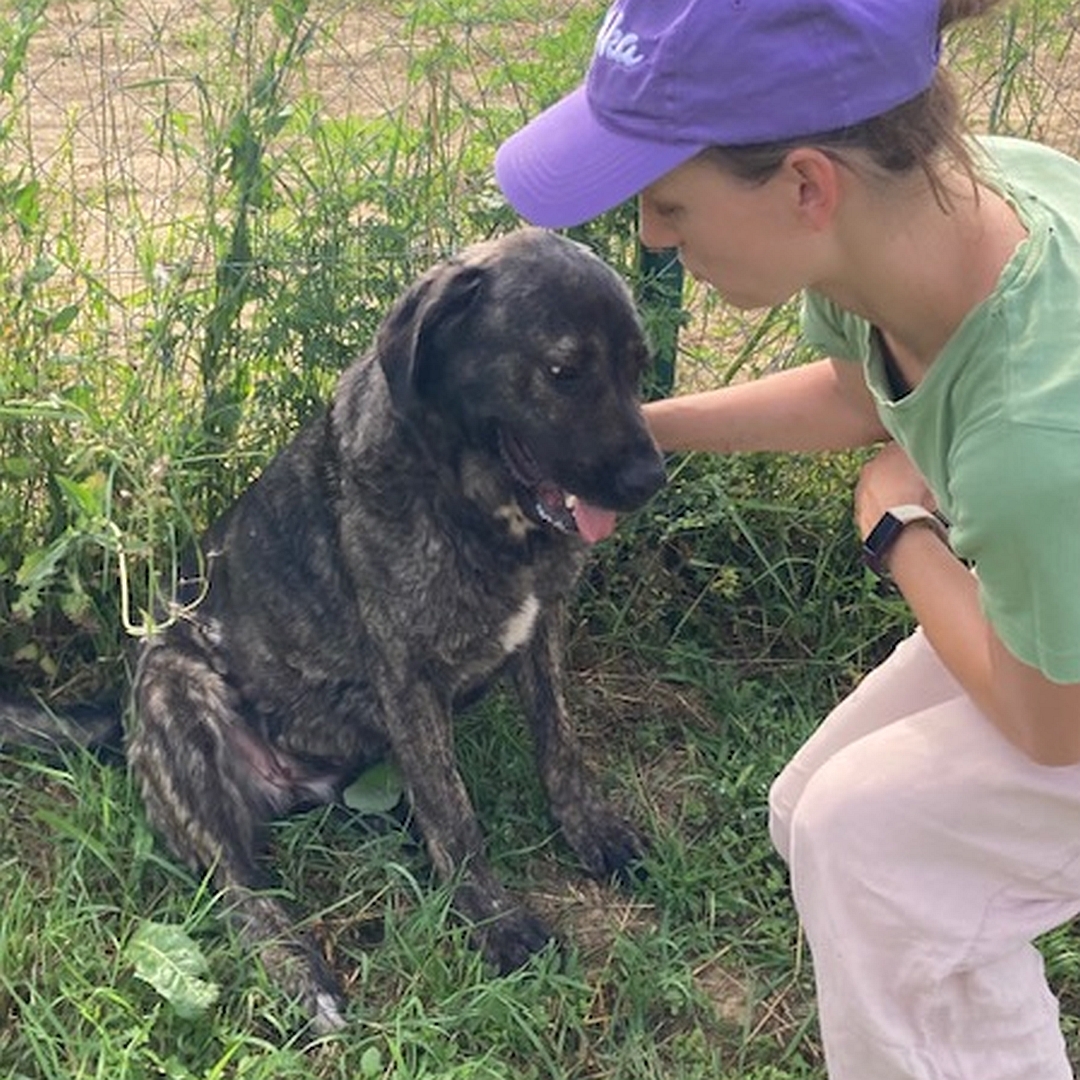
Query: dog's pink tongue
593, 523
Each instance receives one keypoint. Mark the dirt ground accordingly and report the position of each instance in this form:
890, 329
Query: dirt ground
118, 100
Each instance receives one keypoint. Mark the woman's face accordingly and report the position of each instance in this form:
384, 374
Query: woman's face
750, 241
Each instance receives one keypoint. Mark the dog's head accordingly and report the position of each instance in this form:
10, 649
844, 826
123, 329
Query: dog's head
530, 347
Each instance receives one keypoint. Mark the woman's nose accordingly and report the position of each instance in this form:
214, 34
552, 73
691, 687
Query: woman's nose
653, 231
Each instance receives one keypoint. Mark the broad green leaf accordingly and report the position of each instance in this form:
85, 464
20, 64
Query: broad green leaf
376, 790
88, 496
173, 964
371, 1063
59, 321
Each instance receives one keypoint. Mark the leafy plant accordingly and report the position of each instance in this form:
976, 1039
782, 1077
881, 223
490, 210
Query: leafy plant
169, 960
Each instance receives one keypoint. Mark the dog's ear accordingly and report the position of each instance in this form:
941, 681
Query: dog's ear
406, 343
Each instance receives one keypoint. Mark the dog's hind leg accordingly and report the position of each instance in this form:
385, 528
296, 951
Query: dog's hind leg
606, 843
209, 786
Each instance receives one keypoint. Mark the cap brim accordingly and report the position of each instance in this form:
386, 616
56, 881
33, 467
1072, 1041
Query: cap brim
565, 167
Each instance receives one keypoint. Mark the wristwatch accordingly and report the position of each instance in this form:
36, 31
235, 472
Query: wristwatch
890, 525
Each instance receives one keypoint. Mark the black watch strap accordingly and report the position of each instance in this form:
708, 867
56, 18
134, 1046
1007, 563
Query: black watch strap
889, 526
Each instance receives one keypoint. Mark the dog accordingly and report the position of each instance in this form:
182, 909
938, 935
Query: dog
417, 539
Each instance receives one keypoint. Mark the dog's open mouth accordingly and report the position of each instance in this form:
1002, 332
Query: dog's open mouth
546, 502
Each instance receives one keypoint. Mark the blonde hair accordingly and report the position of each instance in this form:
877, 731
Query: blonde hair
918, 134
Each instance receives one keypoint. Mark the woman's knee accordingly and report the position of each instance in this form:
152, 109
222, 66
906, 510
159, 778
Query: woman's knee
844, 827
845, 725
783, 797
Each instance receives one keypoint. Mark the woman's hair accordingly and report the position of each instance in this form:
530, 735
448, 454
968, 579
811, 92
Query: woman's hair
916, 134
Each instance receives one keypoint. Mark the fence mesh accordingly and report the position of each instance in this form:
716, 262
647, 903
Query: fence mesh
206, 207
123, 112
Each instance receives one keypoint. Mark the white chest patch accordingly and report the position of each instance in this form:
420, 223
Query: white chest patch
519, 626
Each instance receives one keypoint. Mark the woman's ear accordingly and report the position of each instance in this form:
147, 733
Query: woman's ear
817, 181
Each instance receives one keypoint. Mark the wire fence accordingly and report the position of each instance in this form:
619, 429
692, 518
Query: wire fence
206, 208
121, 110
123, 114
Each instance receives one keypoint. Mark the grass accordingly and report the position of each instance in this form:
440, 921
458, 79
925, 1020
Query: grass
637, 994
159, 342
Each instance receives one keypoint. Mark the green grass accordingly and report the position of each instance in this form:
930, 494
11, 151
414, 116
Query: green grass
634, 996
712, 633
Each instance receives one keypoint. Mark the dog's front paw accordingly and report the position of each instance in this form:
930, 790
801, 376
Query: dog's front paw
606, 843
296, 965
510, 939
327, 1013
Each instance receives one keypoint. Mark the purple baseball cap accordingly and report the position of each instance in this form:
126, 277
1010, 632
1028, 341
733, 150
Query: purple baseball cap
671, 77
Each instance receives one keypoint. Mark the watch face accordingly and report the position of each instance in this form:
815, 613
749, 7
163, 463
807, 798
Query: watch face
883, 535
879, 541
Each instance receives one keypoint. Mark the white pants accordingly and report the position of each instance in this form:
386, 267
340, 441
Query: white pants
926, 854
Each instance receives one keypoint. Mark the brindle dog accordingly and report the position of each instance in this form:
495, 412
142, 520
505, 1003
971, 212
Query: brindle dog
416, 539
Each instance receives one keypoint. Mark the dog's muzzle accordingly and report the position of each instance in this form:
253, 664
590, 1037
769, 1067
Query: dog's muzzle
545, 502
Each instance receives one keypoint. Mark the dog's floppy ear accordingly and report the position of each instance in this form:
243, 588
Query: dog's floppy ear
405, 342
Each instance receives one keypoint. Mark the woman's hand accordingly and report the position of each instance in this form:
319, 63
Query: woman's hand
888, 479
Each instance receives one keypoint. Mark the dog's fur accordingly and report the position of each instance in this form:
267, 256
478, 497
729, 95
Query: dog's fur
410, 544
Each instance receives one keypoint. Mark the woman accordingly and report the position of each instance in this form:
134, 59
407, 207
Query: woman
932, 823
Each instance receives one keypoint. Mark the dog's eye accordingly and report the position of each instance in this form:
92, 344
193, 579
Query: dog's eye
562, 373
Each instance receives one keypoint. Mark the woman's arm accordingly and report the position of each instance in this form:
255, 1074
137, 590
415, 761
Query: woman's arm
1040, 717
824, 405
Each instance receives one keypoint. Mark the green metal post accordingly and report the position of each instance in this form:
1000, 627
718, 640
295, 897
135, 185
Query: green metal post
660, 299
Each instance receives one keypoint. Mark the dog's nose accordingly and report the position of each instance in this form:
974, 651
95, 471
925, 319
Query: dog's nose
641, 478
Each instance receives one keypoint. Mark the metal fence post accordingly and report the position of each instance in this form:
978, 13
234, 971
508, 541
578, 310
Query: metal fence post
660, 287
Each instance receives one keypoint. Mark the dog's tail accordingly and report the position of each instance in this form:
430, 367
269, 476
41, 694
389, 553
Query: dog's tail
32, 725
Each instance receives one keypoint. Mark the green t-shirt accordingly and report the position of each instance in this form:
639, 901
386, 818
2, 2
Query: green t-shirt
995, 424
